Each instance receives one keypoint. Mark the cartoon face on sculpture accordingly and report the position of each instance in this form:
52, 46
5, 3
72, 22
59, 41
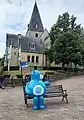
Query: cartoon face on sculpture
38, 90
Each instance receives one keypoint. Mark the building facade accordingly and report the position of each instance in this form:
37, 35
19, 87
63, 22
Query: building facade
29, 47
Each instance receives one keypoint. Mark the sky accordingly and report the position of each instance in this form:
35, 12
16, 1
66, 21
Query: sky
16, 14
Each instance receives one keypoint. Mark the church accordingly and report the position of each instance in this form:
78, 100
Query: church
29, 47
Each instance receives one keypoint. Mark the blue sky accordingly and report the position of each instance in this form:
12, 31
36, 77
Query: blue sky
15, 15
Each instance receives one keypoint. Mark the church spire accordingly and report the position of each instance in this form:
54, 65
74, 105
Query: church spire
35, 21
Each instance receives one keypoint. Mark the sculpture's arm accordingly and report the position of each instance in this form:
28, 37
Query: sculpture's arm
46, 83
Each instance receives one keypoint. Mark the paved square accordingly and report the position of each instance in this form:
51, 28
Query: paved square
12, 103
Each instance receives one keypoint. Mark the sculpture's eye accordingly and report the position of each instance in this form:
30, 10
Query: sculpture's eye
38, 90
41, 77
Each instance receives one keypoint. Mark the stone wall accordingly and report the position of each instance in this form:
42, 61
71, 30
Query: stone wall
51, 77
13, 82
59, 76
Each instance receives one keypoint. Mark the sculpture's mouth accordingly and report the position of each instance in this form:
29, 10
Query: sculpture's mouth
38, 90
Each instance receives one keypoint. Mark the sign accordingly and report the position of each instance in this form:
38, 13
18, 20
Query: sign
24, 64
25, 71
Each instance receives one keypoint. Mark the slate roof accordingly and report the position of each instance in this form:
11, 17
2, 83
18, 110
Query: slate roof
35, 21
11, 39
26, 43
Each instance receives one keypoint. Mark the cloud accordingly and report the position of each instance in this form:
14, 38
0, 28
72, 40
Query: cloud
15, 15
74, 6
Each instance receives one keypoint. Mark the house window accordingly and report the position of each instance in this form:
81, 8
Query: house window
32, 58
37, 59
28, 58
36, 35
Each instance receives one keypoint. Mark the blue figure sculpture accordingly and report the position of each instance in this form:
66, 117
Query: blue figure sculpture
36, 89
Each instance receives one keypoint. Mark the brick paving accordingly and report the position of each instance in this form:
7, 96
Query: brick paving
12, 103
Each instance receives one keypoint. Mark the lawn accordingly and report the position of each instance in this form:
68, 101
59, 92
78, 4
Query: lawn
17, 72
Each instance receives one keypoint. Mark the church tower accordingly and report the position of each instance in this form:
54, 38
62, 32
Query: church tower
31, 46
35, 27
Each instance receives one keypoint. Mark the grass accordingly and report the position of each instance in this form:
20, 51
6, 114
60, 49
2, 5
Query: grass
49, 71
13, 73
17, 72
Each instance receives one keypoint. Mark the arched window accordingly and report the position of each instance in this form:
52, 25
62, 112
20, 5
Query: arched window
36, 35
28, 58
36, 26
37, 59
33, 59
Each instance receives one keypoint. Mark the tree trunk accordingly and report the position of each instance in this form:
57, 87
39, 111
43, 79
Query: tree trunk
75, 69
63, 65
45, 60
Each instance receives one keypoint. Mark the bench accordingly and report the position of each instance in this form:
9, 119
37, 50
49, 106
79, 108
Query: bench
51, 91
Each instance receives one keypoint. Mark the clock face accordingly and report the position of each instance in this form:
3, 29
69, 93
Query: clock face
38, 90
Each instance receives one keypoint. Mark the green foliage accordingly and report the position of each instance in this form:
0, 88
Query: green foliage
2, 61
66, 41
82, 52
1, 65
61, 26
49, 54
67, 49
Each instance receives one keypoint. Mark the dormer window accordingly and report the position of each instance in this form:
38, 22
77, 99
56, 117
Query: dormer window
36, 35
32, 46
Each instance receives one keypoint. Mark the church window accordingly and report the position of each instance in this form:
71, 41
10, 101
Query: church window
33, 59
36, 35
37, 59
36, 26
28, 58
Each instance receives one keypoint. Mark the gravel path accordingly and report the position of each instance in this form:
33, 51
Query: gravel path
12, 104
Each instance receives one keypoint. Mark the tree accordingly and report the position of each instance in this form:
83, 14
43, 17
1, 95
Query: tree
66, 40
67, 49
62, 25
49, 54
82, 52
2, 61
